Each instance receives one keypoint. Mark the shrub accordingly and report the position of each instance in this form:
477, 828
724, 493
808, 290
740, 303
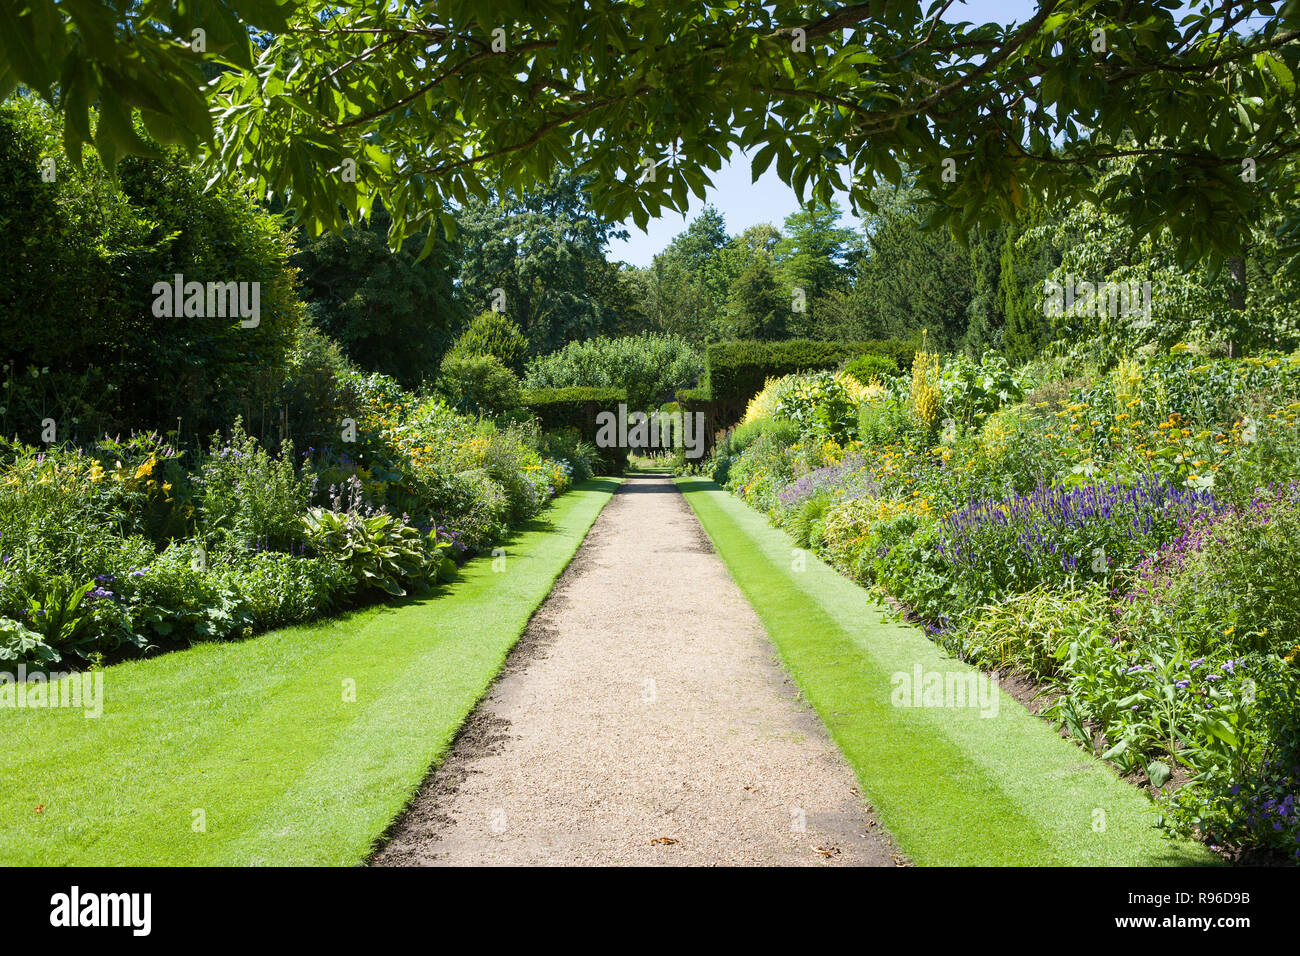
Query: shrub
66, 512
738, 370
491, 333
319, 392
176, 600
866, 367
577, 408
970, 392
568, 446
249, 498
820, 405
478, 384
650, 368
276, 590
379, 551
92, 247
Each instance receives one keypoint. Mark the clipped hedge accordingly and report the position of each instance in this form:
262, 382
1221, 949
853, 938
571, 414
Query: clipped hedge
576, 408
736, 371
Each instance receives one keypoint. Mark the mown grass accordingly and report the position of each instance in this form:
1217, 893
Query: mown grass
953, 787
257, 739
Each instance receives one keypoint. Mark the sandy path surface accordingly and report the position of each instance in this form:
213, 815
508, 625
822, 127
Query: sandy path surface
642, 719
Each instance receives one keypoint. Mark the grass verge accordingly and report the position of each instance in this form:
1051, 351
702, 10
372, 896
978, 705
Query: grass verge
251, 752
954, 788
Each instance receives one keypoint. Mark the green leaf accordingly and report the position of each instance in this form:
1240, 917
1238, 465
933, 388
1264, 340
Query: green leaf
1159, 773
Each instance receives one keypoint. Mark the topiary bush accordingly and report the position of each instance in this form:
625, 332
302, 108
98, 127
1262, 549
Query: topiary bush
491, 333
478, 384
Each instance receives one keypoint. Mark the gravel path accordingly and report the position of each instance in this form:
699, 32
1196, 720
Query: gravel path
642, 719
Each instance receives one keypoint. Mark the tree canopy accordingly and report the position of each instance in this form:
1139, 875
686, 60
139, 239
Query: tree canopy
334, 106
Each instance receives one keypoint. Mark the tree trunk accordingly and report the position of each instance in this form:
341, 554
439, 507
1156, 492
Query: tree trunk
1237, 297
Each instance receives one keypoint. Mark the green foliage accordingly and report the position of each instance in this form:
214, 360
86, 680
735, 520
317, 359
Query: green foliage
686, 287
60, 619
759, 307
912, 278
1028, 257
391, 312
866, 367
819, 404
1028, 632
276, 590
249, 498
319, 391
1245, 307
576, 408
491, 333
379, 551
650, 368
737, 371
19, 644
86, 283
544, 249
552, 103
970, 392
478, 384
811, 257
566, 445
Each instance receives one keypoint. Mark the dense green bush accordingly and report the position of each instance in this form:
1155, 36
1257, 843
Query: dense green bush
650, 367
491, 333
319, 391
866, 367
478, 384
391, 312
87, 251
737, 371
576, 409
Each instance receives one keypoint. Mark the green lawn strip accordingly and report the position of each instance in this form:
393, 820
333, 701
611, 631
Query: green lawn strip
257, 734
953, 787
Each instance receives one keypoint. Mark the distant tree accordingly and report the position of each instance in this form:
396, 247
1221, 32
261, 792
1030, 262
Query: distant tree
912, 278
390, 312
985, 320
759, 306
1027, 257
542, 249
812, 259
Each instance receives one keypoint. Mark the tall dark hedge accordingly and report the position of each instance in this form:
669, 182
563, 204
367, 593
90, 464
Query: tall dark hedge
81, 256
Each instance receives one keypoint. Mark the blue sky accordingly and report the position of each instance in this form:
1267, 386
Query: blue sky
743, 204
